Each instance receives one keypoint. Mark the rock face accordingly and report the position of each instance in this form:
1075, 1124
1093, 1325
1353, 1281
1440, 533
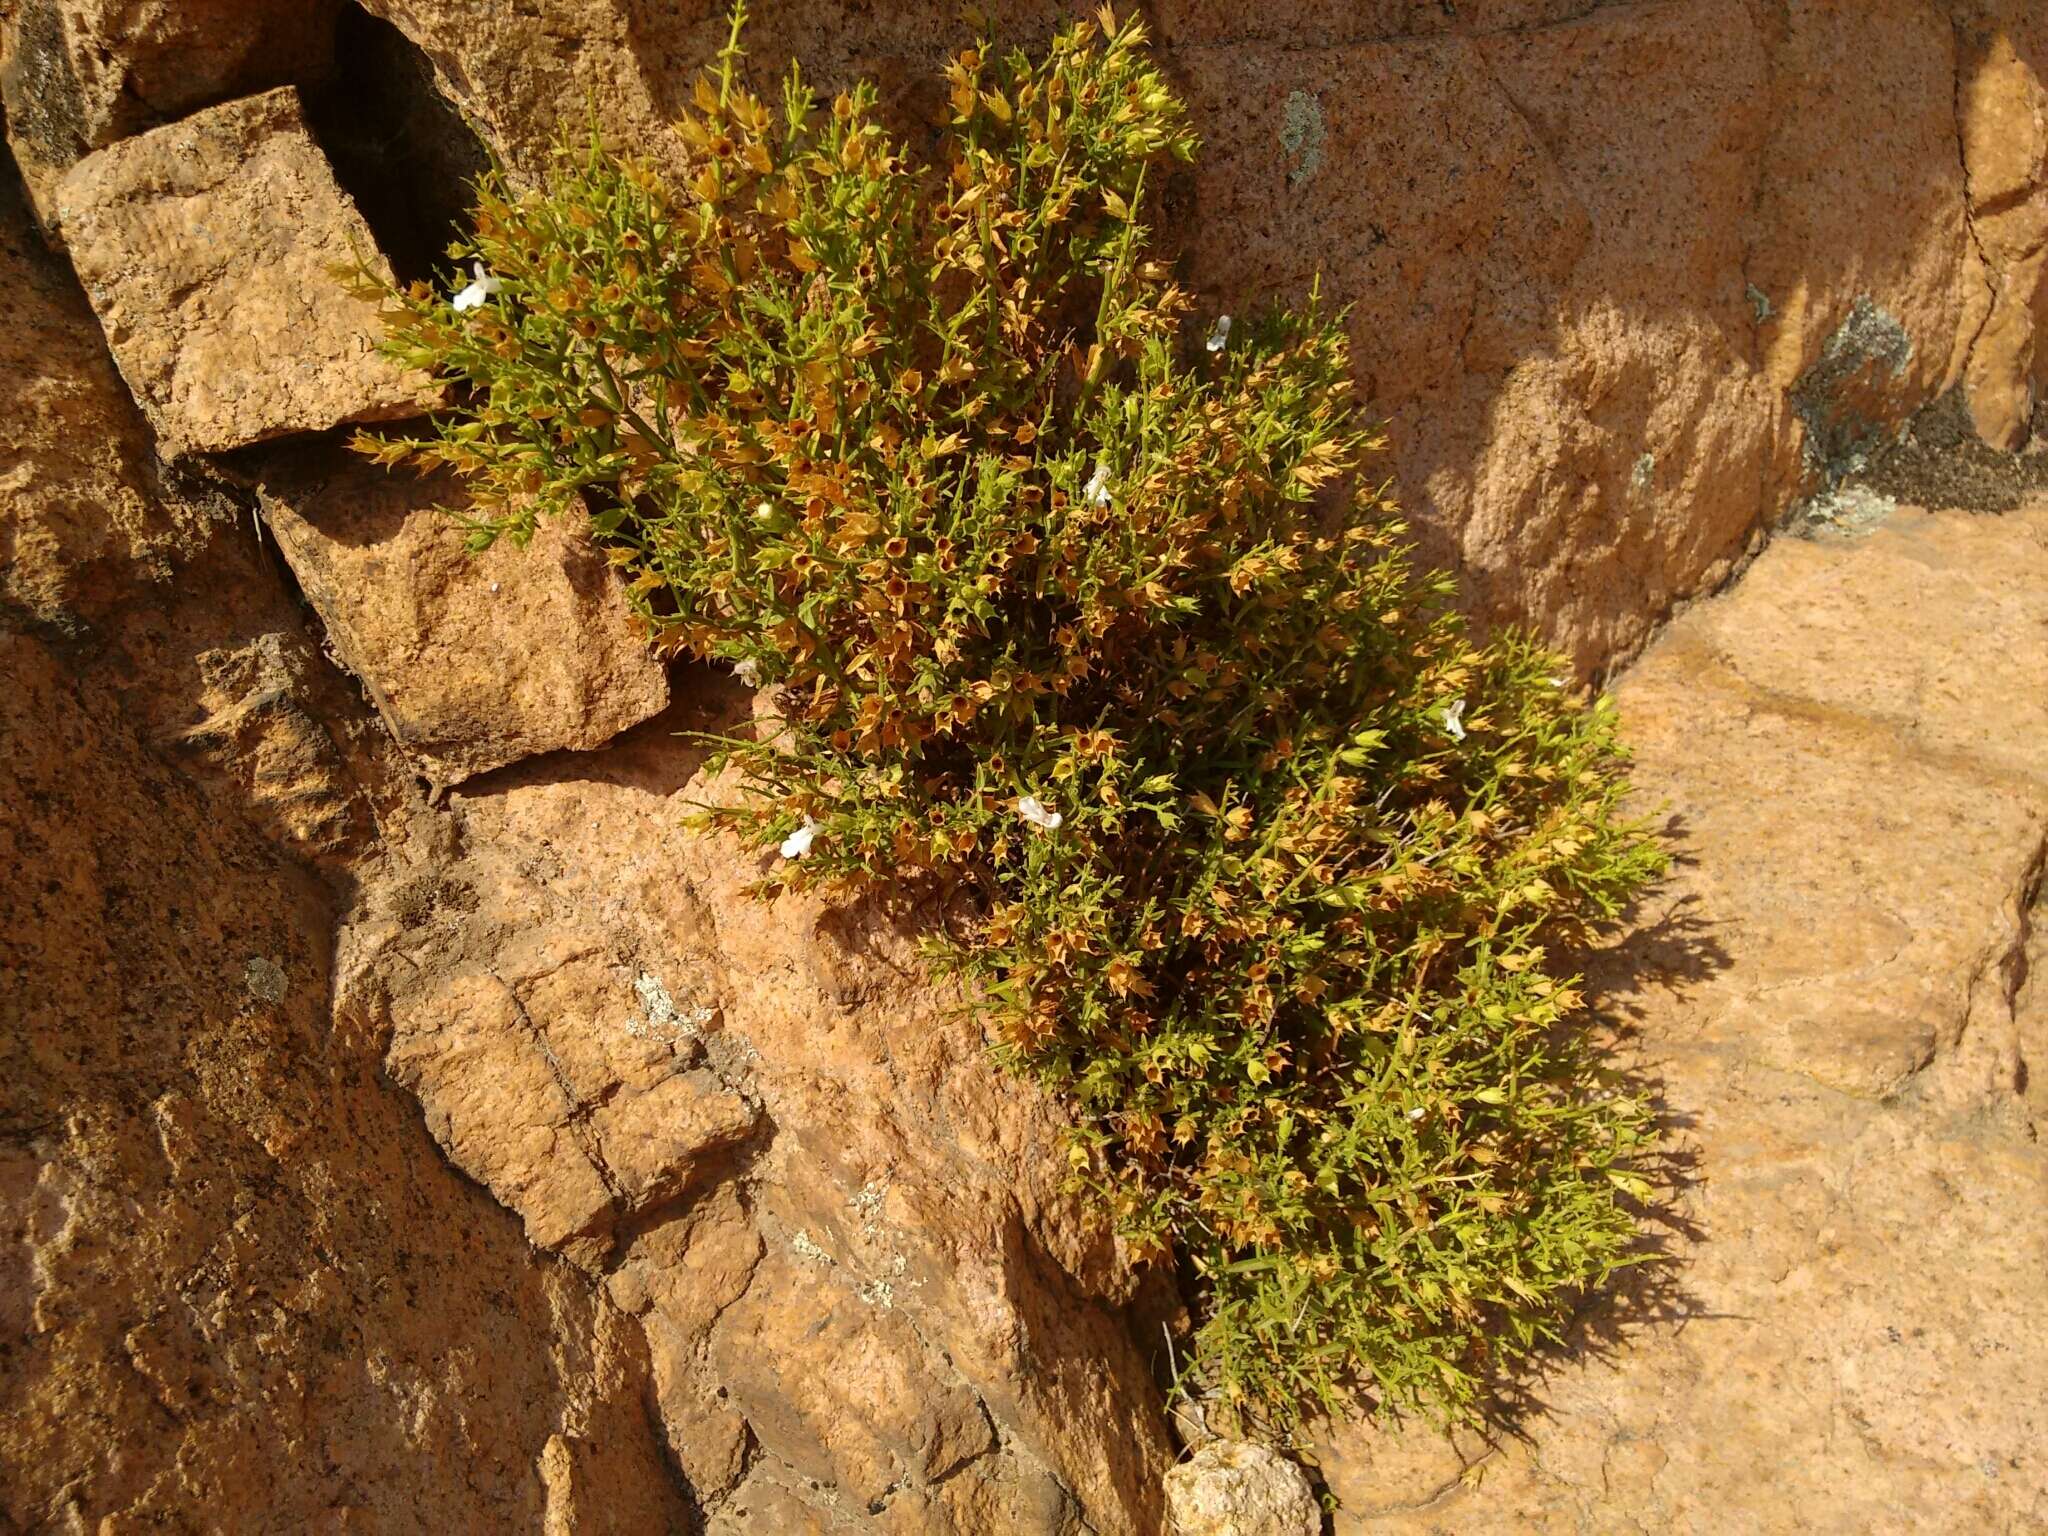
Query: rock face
2002, 111
841, 1227
1614, 347
531, 1174
238, 1283
1843, 1016
1235, 1488
78, 517
473, 661
75, 75
210, 250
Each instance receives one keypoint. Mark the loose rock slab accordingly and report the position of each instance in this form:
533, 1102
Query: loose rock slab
474, 661
209, 249
1236, 1488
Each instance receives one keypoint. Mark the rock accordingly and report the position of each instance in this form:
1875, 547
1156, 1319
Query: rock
845, 1391
239, 1285
474, 661
76, 75
1236, 1488
210, 250
880, 1282
2002, 109
80, 521
262, 726
1833, 1002
525, 76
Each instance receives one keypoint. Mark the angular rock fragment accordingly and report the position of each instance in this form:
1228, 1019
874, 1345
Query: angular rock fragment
1236, 1488
78, 74
213, 251
474, 660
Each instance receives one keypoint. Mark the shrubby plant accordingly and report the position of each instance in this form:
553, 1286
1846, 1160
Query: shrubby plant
1089, 612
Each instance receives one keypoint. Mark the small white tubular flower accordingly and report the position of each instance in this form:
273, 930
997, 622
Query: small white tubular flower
1033, 811
1097, 489
798, 843
763, 512
1417, 1112
1219, 334
483, 286
748, 671
1454, 721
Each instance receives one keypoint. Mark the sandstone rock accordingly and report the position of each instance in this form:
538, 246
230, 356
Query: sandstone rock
526, 75
2002, 110
941, 1350
473, 660
80, 522
240, 1287
1832, 1001
1236, 1488
844, 1390
1614, 347
260, 729
76, 75
210, 251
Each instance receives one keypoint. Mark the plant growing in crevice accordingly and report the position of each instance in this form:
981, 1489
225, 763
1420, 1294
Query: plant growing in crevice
1089, 612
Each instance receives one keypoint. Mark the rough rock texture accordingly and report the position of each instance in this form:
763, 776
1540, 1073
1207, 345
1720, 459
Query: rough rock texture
1614, 346
1842, 1015
839, 1223
1236, 1488
238, 1277
75, 75
78, 516
473, 661
2002, 111
532, 1175
210, 250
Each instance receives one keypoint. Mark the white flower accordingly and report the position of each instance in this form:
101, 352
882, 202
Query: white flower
1417, 1112
1219, 333
1454, 720
1033, 811
763, 512
1555, 682
1097, 489
748, 671
798, 843
483, 287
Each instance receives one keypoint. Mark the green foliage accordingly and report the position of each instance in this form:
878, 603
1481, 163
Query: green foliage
1081, 611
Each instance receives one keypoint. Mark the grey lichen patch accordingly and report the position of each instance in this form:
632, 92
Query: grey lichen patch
1847, 512
1301, 136
663, 1019
265, 979
804, 1246
1759, 302
1644, 475
1842, 397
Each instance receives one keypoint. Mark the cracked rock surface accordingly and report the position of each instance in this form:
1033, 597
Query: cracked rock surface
1841, 1012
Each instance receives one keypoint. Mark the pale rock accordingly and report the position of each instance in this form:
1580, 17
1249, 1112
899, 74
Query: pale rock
908, 1197
210, 249
474, 660
1237, 1488
1833, 1002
